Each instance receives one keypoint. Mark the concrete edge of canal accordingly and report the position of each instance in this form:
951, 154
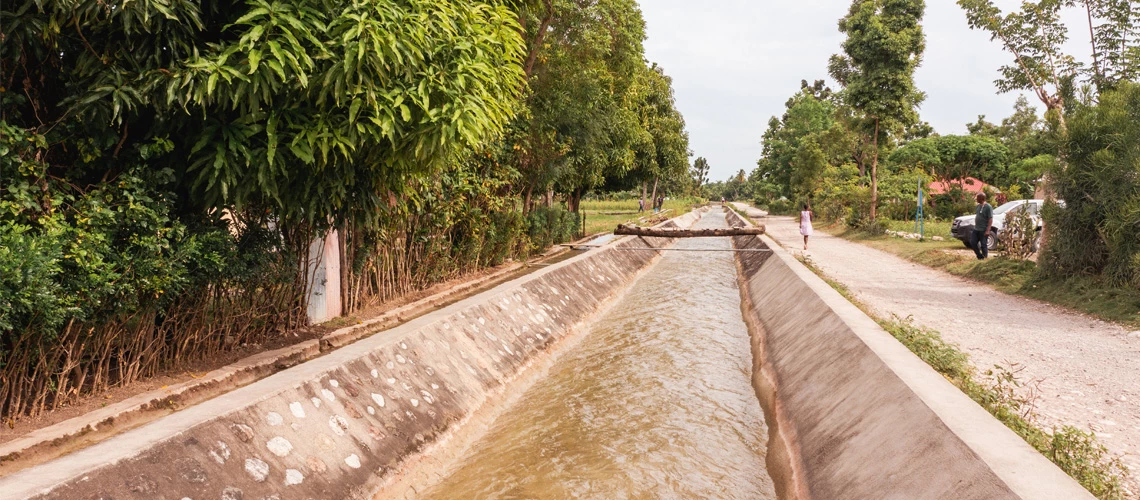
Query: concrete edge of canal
853, 414
344, 425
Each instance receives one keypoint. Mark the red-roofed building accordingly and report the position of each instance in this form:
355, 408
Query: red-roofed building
969, 185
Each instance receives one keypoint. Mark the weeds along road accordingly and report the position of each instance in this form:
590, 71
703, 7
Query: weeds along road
1087, 371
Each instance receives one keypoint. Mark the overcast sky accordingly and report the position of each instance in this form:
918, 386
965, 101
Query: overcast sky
734, 64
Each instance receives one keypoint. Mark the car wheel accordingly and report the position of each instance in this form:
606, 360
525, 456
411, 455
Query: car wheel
992, 241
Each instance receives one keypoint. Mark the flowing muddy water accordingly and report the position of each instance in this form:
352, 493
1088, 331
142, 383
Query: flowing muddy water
655, 402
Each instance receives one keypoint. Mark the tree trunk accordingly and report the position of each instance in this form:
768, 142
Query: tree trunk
549, 198
574, 201
528, 67
1092, 40
526, 199
875, 172
653, 199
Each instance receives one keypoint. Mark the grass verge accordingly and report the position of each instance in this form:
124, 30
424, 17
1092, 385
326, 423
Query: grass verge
1084, 294
999, 391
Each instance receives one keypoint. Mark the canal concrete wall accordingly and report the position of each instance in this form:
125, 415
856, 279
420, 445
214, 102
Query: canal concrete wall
853, 414
342, 425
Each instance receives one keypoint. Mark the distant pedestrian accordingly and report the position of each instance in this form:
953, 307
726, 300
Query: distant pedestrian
641, 204
805, 224
722, 200
983, 226
660, 202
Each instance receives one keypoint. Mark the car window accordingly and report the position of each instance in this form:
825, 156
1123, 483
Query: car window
1005, 208
1032, 207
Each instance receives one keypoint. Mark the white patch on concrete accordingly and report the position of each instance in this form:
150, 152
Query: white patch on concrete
406, 386
391, 381
378, 399
375, 374
415, 402
279, 446
221, 453
492, 337
231, 493
353, 461
334, 383
274, 418
297, 410
338, 424
316, 402
295, 426
403, 345
371, 410
327, 394
293, 476
390, 365
427, 396
257, 469
482, 321
435, 386
401, 359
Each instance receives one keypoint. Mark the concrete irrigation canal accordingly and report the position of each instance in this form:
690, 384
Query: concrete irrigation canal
723, 370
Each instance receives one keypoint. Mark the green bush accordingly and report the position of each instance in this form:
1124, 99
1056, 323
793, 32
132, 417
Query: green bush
782, 206
548, 226
1097, 233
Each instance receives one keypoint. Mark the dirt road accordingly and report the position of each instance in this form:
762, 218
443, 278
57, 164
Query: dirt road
1088, 370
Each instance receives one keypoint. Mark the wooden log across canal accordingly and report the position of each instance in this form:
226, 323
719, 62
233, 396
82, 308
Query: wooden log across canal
624, 230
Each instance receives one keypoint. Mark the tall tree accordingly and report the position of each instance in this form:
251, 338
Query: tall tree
809, 113
700, 172
883, 48
581, 122
1035, 36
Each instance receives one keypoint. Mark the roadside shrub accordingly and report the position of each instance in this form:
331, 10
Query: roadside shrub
1098, 231
951, 205
782, 206
1019, 236
548, 226
1005, 397
103, 285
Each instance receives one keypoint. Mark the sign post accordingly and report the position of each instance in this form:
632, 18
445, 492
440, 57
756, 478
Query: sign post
919, 218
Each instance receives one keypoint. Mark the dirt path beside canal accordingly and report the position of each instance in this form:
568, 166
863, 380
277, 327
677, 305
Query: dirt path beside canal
1087, 370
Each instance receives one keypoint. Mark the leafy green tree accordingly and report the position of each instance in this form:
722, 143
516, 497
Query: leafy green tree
700, 172
806, 118
1035, 36
883, 48
582, 123
951, 157
1098, 231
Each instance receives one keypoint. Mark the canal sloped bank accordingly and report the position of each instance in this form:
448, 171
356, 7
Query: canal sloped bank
341, 425
854, 414
654, 402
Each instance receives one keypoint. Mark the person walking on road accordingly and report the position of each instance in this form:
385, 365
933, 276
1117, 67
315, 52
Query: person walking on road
983, 225
805, 224
640, 205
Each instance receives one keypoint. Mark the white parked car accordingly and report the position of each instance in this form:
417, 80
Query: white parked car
964, 225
